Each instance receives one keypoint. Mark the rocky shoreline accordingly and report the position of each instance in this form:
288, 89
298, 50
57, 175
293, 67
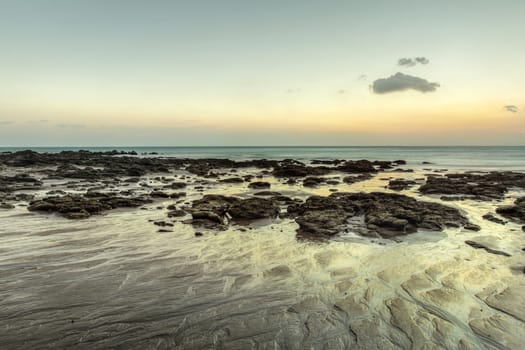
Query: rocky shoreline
100, 181
368, 242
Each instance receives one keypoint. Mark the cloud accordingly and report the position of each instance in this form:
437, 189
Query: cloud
293, 91
402, 82
362, 77
6, 122
511, 108
342, 91
422, 60
406, 62
411, 62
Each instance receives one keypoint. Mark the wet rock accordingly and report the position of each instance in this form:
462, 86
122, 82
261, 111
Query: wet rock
514, 212
232, 180
81, 207
491, 217
18, 182
312, 181
176, 185
267, 193
491, 185
356, 178
472, 227
384, 214
400, 184
253, 208
360, 166
293, 170
159, 194
6, 206
176, 213
259, 185
477, 245
218, 209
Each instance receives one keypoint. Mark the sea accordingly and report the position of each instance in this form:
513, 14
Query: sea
457, 157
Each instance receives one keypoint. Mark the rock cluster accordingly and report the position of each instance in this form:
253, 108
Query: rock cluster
384, 214
514, 212
486, 186
218, 209
82, 207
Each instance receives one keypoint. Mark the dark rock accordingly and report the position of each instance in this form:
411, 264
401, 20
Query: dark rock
358, 166
490, 185
259, 185
400, 184
253, 208
267, 193
384, 214
312, 181
81, 207
491, 217
176, 213
357, 178
159, 194
472, 227
477, 245
232, 180
514, 212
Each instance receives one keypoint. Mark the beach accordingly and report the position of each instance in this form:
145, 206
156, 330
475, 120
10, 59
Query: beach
140, 249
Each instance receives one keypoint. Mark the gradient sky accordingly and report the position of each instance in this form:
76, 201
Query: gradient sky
126, 72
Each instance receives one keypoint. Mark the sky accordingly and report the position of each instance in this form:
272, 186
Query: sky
243, 72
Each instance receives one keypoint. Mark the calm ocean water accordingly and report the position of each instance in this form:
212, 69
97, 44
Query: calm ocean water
488, 157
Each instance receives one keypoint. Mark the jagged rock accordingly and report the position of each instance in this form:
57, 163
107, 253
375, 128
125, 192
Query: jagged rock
81, 207
491, 185
384, 214
514, 212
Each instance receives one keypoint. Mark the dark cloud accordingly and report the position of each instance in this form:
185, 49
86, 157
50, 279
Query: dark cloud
406, 62
421, 60
511, 108
362, 77
402, 82
411, 62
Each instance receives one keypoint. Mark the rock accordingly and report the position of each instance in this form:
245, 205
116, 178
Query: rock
322, 222
400, 184
81, 207
491, 217
384, 214
253, 208
491, 185
259, 185
232, 180
267, 193
312, 181
514, 212
360, 166
159, 194
472, 227
356, 178
477, 245
176, 185
218, 208
176, 213
6, 206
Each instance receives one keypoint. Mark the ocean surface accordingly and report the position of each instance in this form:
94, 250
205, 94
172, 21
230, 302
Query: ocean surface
487, 157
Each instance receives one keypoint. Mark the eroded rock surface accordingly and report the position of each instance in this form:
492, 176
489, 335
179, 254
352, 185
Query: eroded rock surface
82, 207
385, 215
